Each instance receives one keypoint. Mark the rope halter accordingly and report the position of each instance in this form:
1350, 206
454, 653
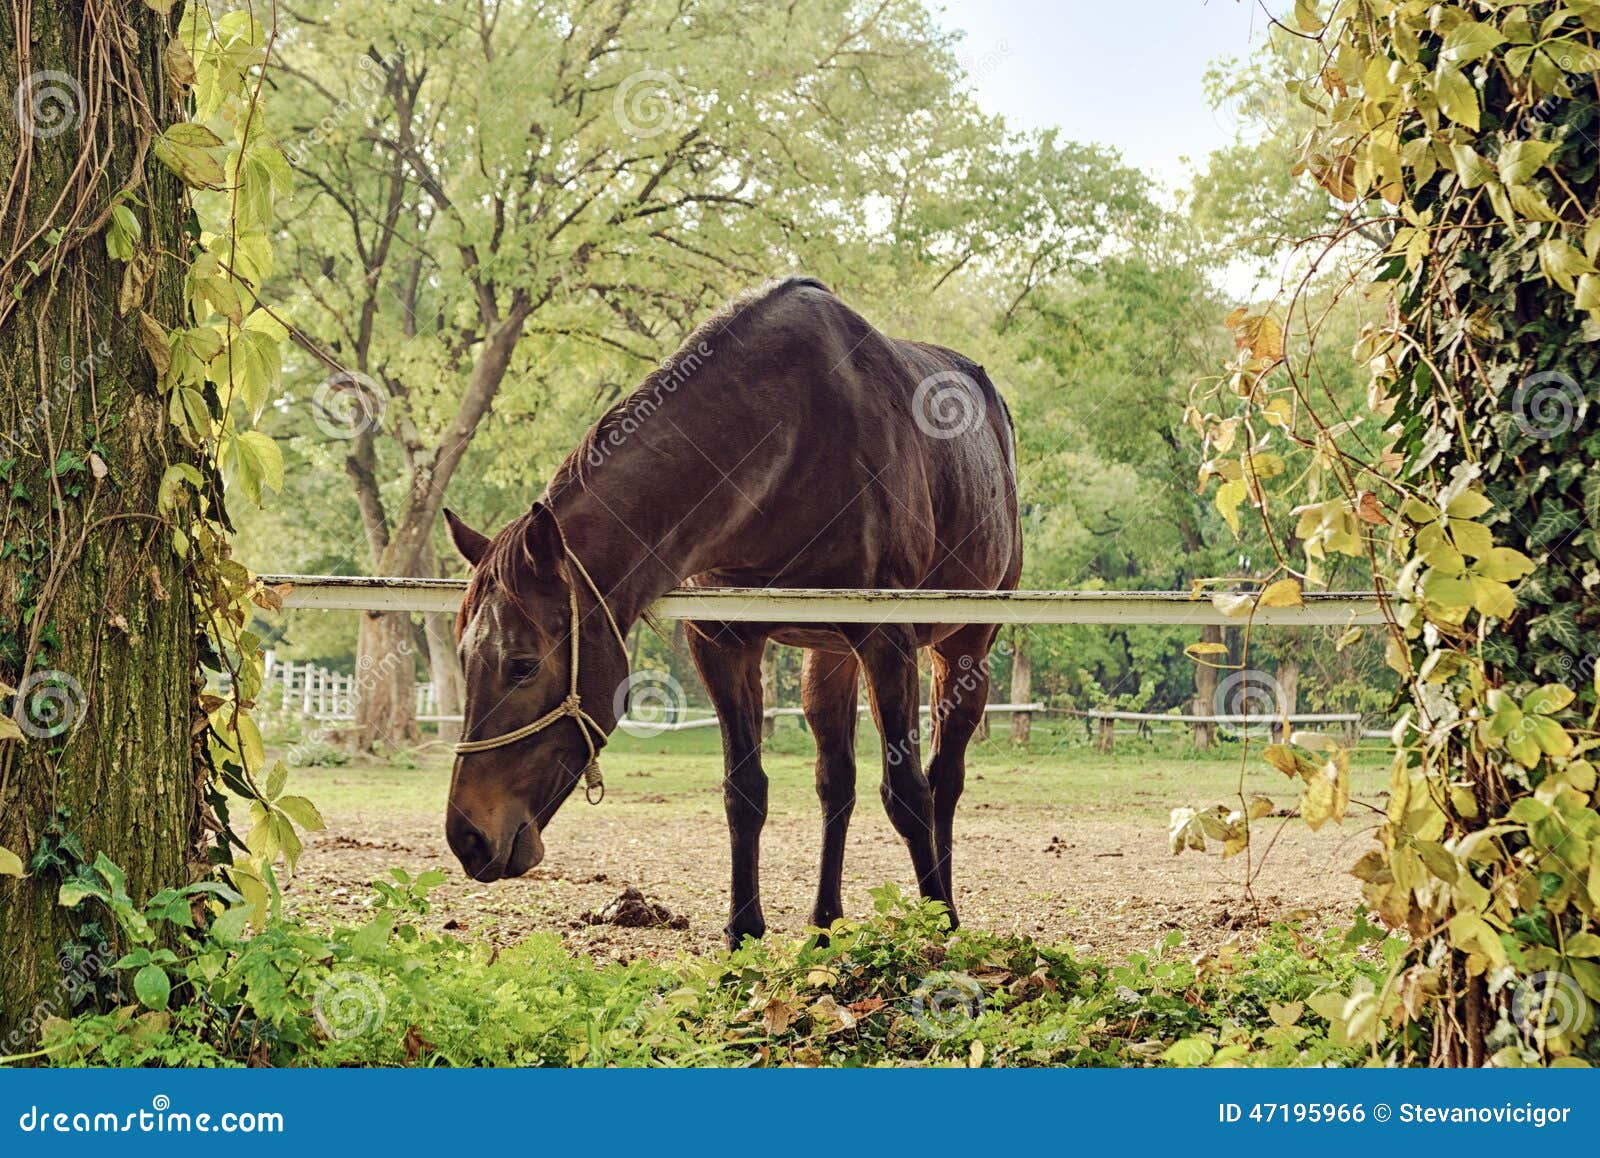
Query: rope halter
594, 736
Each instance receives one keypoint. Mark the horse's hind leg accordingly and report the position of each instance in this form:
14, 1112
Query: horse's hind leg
729, 662
828, 683
960, 692
888, 653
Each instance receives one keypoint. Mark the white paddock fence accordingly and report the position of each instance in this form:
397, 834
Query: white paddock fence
320, 694
319, 691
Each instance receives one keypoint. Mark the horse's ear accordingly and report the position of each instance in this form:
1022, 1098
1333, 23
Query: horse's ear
542, 541
470, 543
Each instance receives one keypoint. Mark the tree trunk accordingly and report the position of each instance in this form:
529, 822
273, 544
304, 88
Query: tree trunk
445, 670
1021, 684
386, 681
1205, 690
1289, 686
97, 627
444, 667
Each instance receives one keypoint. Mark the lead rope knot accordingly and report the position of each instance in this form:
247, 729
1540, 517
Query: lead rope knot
594, 786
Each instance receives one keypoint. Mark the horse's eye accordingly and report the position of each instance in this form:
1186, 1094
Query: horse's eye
520, 671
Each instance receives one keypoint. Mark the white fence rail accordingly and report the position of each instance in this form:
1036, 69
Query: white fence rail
807, 605
330, 695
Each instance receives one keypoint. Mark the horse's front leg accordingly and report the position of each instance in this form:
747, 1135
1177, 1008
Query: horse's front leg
888, 653
729, 662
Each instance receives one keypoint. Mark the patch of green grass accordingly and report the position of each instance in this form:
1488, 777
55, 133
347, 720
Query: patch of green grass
1142, 780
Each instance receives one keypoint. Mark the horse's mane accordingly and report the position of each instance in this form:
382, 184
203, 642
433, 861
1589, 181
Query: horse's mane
502, 561
737, 309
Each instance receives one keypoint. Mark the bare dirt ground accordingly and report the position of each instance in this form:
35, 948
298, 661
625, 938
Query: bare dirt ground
1096, 873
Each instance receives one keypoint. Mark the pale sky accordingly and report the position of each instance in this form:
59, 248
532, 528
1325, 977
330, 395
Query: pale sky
1122, 73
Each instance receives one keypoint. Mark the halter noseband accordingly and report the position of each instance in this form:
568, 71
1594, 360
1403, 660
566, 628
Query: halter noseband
594, 736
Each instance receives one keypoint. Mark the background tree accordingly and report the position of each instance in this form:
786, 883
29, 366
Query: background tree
525, 208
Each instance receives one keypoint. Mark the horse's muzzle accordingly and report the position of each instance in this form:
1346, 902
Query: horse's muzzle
484, 859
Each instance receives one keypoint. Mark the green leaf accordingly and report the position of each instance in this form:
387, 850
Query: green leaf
1562, 263
256, 463
1504, 564
1493, 598
1472, 539
1520, 160
185, 148
1572, 56
1458, 100
10, 864
152, 986
123, 232
302, 812
1469, 41
1547, 700
1551, 737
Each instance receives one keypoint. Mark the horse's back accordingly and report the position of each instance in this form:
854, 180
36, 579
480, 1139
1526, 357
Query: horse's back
898, 456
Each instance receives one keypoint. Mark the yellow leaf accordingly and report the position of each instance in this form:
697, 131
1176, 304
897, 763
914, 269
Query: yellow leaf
10, 864
1283, 593
1458, 100
1492, 598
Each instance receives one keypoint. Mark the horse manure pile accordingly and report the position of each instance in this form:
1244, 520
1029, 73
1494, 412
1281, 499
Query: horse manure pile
633, 911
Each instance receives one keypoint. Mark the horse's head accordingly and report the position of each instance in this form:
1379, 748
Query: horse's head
514, 638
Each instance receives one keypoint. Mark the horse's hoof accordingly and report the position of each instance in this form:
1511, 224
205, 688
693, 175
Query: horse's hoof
734, 935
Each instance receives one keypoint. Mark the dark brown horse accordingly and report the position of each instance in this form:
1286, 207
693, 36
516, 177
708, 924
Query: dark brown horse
786, 444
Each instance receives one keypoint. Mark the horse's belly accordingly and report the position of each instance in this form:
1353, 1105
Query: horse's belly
817, 638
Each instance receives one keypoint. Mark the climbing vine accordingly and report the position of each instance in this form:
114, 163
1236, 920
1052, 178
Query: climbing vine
1460, 137
214, 361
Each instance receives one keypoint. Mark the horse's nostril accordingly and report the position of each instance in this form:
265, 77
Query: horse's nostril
471, 846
